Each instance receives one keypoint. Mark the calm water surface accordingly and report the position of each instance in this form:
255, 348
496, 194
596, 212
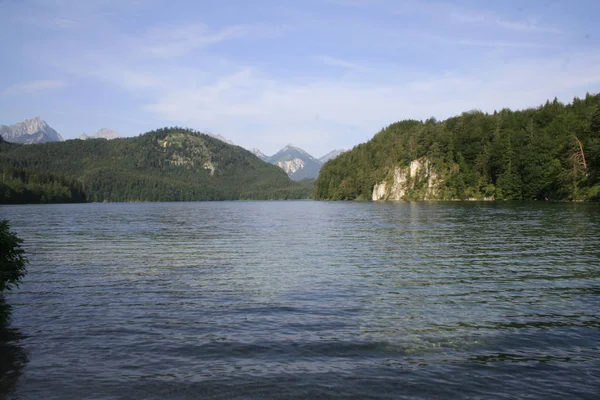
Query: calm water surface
261, 300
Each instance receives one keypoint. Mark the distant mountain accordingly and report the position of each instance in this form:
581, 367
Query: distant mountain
30, 131
220, 137
259, 154
331, 155
103, 133
297, 163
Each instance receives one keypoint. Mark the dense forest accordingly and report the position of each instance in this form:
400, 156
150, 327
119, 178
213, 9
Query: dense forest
547, 153
169, 164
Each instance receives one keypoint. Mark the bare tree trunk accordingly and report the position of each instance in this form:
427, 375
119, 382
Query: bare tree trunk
582, 159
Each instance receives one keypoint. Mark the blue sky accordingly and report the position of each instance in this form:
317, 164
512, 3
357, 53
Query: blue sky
320, 74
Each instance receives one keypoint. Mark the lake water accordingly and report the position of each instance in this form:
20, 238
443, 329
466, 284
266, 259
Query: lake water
261, 300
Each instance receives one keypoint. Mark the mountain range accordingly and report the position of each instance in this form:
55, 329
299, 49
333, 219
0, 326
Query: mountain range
30, 131
36, 131
297, 163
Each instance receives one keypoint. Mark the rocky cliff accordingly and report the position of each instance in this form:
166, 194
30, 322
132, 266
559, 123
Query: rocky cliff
291, 166
416, 181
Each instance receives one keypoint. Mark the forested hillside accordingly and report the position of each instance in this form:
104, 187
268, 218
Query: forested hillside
547, 153
170, 164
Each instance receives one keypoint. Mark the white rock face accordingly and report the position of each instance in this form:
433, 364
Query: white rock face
379, 191
404, 180
415, 166
400, 185
30, 131
210, 167
291, 166
433, 182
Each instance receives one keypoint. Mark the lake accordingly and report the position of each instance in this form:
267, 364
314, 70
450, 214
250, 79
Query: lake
307, 300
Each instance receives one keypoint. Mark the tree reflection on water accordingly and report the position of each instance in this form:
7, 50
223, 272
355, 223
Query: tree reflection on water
12, 355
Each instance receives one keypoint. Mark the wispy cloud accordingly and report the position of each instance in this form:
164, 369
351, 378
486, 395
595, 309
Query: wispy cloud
484, 19
122, 75
311, 111
177, 41
492, 43
50, 21
345, 64
474, 17
73, 14
354, 3
66, 23
256, 108
34, 87
322, 75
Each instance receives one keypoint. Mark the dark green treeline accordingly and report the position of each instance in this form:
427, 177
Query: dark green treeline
548, 153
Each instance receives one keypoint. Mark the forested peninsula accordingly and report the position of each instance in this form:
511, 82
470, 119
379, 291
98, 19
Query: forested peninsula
169, 164
547, 153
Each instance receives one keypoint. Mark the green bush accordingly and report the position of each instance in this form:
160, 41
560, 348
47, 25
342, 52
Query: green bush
12, 258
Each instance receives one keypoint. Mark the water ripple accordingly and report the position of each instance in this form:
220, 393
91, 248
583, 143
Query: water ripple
309, 300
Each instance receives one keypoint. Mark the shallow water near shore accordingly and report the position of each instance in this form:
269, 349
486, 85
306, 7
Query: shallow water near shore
302, 299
